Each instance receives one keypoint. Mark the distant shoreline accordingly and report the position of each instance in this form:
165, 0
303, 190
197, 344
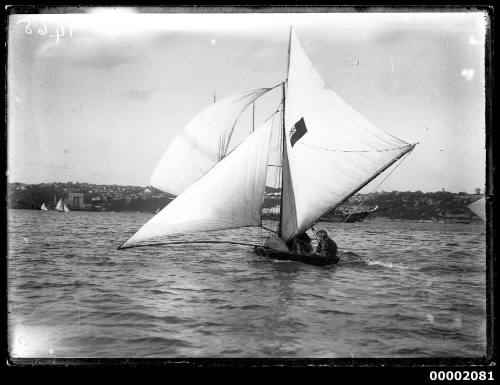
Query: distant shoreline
368, 220
129, 186
435, 207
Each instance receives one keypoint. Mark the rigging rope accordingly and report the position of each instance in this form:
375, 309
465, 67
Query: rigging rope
274, 113
274, 182
184, 243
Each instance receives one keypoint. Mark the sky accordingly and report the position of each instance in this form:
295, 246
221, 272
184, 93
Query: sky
102, 103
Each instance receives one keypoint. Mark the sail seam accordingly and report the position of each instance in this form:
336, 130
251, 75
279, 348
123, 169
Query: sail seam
356, 151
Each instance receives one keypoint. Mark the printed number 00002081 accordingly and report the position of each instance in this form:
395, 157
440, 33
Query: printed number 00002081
461, 375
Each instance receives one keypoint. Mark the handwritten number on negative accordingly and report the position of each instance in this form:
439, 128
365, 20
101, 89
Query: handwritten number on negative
27, 28
59, 33
44, 30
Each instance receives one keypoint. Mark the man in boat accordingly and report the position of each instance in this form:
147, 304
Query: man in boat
326, 246
301, 244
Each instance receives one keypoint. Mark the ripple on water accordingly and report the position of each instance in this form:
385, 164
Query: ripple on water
401, 289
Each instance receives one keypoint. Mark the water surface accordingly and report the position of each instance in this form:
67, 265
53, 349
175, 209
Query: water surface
400, 290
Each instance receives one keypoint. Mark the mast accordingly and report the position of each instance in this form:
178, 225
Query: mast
283, 143
289, 46
283, 130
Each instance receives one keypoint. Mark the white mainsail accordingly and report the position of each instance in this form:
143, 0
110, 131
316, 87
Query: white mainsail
479, 208
66, 209
59, 206
331, 149
229, 196
44, 208
201, 144
329, 152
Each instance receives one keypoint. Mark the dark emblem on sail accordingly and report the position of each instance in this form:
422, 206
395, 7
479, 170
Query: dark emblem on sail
298, 131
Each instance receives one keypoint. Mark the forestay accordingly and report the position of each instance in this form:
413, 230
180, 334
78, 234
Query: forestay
332, 150
229, 196
201, 144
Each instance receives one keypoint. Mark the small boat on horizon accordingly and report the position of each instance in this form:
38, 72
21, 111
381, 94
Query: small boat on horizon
61, 207
479, 208
348, 216
43, 207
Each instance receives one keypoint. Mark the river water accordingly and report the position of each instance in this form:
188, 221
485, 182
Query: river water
401, 289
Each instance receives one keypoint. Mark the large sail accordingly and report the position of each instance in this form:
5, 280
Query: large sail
229, 196
331, 149
479, 208
59, 206
201, 144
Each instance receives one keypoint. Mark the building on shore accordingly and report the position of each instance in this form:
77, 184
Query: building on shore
76, 201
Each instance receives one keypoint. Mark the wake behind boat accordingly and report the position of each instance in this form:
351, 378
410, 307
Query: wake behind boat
219, 189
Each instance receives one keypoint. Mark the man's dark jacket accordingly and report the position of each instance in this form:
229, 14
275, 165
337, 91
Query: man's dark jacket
327, 249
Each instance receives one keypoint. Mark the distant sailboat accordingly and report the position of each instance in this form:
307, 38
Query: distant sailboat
44, 208
60, 206
327, 152
66, 209
349, 216
479, 208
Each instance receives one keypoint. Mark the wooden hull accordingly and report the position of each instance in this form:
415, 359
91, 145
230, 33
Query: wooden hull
315, 260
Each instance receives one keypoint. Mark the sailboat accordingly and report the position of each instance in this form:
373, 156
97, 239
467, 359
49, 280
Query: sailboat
349, 216
327, 152
479, 208
60, 206
44, 208
66, 208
